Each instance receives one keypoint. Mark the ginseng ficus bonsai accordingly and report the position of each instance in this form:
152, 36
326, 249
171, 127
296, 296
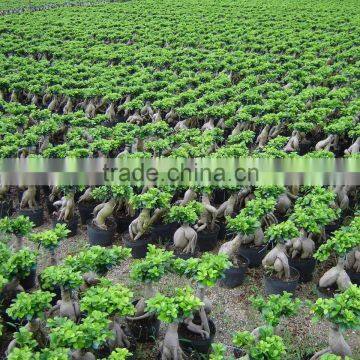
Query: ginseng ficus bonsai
172, 311
276, 261
343, 312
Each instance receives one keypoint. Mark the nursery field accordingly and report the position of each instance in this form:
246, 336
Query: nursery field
174, 272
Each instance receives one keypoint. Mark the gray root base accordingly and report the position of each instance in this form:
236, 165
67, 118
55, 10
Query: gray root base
277, 260
185, 239
336, 276
28, 198
302, 246
170, 346
102, 212
67, 207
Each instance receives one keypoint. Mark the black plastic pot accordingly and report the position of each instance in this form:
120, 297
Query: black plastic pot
354, 277
138, 247
28, 282
207, 240
255, 254
305, 267
36, 215
326, 293
100, 236
85, 211
164, 233
6, 208
122, 223
276, 286
144, 330
235, 276
72, 225
195, 344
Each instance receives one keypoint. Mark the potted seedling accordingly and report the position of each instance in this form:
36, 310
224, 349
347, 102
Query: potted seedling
173, 311
95, 262
311, 215
31, 307
66, 210
153, 204
248, 226
197, 332
206, 226
83, 338
20, 227
6, 204
274, 309
19, 269
116, 302
29, 207
279, 275
341, 243
266, 345
50, 239
248, 241
63, 281
343, 312
185, 237
144, 325
101, 230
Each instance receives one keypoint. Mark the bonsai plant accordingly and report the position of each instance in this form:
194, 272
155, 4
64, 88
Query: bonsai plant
20, 227
29, 207
172, 311
86, 204
276, 262
206, 226
81, 338
65, 278
206, 271
343, 312
274, 308
96, 261
101, 230
19, 268
153, 204
248, 230
341, 243
66, 210
265, 346
185, 237
50, 240
31, 307
157, 263
115, 301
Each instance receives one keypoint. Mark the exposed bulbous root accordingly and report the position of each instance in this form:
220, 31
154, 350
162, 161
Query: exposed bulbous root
102, 212
276, 259
336, 275
354, 148
170, 348
328, 143
67, 207
139, 226
185, 239
28, 198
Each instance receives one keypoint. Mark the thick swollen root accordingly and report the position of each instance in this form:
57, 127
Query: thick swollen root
353, 260
354, 148
327, 144
185, 239
208, 216
302, 246
67, 207
231, 248
81, 355
102, 212
294, 142
263, 137
336, 275
277, 260
227, 207
170, 347
120, 339
139, 225
28, 198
